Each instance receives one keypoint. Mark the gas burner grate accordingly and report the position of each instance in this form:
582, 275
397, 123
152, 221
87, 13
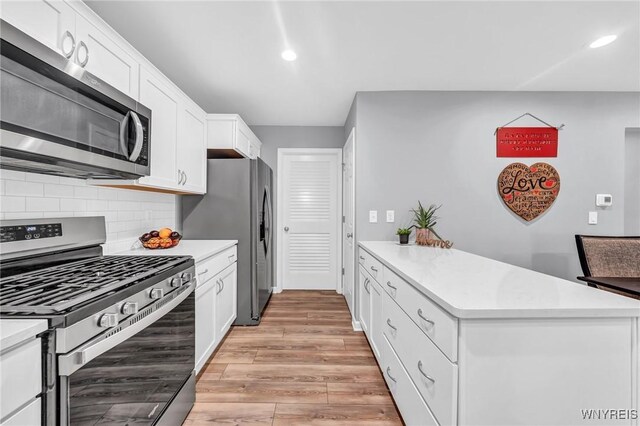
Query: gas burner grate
64, 287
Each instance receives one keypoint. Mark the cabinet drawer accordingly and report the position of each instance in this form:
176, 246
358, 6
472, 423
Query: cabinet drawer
20, 376
370, 264
432, 320
213, 265
435, 377
412, 407
29, 415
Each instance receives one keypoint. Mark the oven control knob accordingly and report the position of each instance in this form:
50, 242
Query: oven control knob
176, 282
156, 293
130, 308
108, 320
186, 277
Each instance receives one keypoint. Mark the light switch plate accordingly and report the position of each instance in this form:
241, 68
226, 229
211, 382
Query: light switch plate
593, 218
391, 216
373, 216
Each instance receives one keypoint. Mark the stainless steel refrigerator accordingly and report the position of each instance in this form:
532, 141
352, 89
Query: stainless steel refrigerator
238, 206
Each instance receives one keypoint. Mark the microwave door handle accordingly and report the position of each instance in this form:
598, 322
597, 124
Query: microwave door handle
137, 148
73, 361
124, 126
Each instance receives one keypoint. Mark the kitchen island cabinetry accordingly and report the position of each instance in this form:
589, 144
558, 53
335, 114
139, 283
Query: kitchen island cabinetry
468, 340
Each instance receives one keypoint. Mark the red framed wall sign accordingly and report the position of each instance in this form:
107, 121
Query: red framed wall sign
527, 142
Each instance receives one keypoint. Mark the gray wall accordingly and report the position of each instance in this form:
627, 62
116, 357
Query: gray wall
439, 147
275, 137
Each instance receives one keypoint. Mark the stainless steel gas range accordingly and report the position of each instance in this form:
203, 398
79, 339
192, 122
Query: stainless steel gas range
120, 348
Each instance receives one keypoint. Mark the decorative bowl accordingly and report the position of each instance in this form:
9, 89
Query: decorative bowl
156, 243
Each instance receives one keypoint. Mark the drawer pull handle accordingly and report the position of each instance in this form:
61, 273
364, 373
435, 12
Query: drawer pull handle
203, 272
374, 269
392, 286
361, 257
391, 325
431, 379
389, 374
231, 256
424, 318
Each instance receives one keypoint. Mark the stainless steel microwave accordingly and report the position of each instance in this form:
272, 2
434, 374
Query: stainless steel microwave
57, 118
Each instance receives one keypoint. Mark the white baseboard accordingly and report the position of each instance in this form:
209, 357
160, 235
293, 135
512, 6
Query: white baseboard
356, 325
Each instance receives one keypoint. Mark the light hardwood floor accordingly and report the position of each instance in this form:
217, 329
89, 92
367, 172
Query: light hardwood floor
303, 364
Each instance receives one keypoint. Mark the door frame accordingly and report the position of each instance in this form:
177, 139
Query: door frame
282, 153
354, 278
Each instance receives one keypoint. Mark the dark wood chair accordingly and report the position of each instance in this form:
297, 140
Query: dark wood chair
610, 257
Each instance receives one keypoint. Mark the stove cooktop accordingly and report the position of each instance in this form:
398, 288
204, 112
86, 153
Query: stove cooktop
63, 288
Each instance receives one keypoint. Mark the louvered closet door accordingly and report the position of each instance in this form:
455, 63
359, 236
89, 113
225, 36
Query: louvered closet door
310, 220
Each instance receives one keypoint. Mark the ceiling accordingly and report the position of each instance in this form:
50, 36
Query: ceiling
226, 54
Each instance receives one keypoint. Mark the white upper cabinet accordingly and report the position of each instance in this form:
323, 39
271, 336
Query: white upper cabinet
164, 104
105, 59
178, 135
229, 136
192, 150
57, 25
51, 22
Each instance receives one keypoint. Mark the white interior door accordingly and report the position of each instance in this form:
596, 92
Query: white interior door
348, 226
309, 188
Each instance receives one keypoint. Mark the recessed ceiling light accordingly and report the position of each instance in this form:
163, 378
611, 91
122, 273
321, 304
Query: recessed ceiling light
289, 55
603, 41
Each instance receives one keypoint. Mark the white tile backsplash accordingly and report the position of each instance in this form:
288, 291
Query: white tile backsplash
128, 214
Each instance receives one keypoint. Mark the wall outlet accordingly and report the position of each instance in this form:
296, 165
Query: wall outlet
391, 216
593, 218
373, 216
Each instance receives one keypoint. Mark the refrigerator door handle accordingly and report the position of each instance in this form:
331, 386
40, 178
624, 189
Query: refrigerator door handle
268, 221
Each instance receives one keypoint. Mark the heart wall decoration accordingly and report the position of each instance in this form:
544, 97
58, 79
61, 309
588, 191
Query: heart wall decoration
529, 190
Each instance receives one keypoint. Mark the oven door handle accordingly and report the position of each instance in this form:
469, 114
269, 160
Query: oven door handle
73, 361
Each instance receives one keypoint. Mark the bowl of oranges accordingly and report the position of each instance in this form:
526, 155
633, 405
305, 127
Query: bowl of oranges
162, 239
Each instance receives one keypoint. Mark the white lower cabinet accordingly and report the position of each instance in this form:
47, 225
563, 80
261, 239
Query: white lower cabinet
20, 375
205, 322
413, 408
376, 325
226, 300
28, 416
216, 302
435, 377
364, 300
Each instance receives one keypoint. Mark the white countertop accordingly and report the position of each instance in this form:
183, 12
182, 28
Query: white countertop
198, 249
14, 331
471, 286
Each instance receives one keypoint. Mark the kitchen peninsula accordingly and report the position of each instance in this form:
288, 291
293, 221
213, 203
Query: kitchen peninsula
484, 342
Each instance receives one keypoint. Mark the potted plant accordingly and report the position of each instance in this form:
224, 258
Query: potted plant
403, 234
425, 220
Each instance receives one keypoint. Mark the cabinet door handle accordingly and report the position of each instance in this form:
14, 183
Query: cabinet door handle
179, 177
374, 269
186, 178
86, 58
424, 318
426, 376
218, 284
366, 286
393, 287
67, 34
389, 374
391, 325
